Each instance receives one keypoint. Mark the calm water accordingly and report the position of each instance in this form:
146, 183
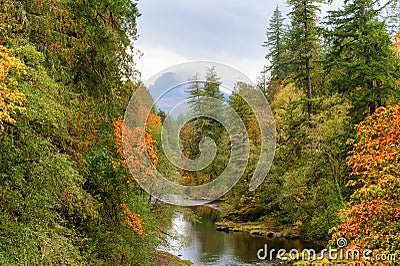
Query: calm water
203, 245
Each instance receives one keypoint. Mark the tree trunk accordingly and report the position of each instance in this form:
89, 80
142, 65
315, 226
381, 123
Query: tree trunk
308, 70
372, 105
309, 91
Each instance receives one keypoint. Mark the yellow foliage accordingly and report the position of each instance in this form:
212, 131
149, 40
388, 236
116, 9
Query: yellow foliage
11, 99
153, 123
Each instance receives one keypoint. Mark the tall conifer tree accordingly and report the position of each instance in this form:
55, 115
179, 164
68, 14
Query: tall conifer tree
304, 44
276, 44
363, 65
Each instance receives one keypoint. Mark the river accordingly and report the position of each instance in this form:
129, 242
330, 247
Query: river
200, 243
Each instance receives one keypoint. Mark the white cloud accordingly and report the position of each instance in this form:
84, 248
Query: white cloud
177, 31
156, 59
225, 31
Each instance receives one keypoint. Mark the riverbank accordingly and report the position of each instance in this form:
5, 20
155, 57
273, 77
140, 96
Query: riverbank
195, 239
168, 259
248, 220
263, 226
272, 230
268, 227
260, 228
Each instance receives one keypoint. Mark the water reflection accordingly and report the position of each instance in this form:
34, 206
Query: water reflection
203, 245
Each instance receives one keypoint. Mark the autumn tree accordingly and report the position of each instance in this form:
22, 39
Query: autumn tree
396, 45
64, 193
370, 220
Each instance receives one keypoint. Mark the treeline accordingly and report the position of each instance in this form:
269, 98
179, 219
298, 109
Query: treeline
324, 77
66, 76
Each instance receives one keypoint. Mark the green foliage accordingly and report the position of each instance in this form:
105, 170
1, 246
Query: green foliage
66, 76
41, 191
304, 46
356, 72
277, 44
303, 185
64, 192
240, 192
362, 64
109, 239
203, 127
86, 43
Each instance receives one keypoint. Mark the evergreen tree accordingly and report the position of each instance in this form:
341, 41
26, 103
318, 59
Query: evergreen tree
249, 119
363, 65
276, 44
205, 126
304, 45
195, 92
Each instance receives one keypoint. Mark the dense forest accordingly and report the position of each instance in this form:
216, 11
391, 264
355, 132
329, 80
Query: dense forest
66, 77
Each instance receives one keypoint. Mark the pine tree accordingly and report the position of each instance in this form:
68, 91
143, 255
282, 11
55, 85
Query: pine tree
205, 126
304, 45
360, 58
276, 43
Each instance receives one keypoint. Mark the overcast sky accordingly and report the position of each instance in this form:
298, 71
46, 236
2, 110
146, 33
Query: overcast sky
227, 31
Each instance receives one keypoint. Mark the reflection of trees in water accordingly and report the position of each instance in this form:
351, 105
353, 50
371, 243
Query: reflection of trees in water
208, 213
201, 243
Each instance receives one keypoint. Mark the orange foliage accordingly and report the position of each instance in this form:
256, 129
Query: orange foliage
134, 139
118, 135
133, 220
151, 148
396, 44
372, 217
